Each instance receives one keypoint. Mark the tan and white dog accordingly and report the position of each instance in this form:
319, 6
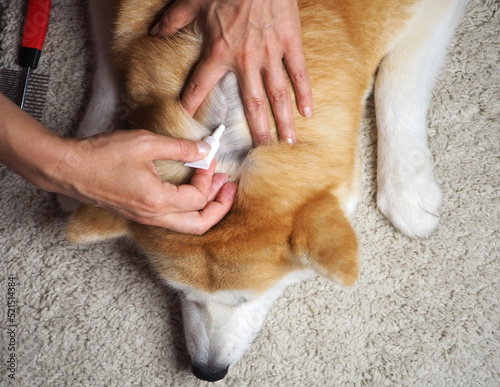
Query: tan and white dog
290, 217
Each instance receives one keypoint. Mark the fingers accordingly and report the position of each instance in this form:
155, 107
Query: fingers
178, 15
206, 75
297, 70
254, 53
210, 70
281, 103
254, 102
295, 63
194, 196
218, 181
214, 211
199, 222
206, 200
168, 148
200, 187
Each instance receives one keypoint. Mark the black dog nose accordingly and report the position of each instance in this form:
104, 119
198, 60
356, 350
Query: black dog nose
207, 373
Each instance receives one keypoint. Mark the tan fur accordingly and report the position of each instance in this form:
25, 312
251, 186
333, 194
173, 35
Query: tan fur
91, 224
289, 212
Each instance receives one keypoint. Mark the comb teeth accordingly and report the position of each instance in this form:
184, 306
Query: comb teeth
9, 83
38, 85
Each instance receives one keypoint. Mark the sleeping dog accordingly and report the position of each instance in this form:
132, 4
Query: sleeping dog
291, 215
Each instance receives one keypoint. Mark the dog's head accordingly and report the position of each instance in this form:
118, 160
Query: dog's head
229, 277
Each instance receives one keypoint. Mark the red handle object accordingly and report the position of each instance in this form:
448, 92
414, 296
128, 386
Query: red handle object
35, 29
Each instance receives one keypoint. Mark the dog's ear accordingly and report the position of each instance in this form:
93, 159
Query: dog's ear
323, 239
92, 224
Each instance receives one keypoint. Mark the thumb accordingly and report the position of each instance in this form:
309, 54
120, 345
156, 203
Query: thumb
178, 15
179, 149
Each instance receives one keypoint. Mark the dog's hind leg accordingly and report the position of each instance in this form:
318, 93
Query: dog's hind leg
407, 192
104, 110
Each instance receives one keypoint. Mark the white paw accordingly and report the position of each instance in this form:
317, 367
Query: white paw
410, 198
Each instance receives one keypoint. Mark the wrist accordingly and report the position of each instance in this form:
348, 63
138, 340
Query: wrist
55, 173
73, 172
42, 163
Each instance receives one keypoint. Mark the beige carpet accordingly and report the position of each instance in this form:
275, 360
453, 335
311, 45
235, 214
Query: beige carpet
423, 313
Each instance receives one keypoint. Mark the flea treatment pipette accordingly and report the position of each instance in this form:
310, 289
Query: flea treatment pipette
214, 142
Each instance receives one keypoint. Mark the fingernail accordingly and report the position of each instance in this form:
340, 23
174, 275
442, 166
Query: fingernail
155, 29
203, 148
307, 111
289, 140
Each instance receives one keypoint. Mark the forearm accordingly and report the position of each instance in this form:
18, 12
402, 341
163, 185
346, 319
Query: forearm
29, 148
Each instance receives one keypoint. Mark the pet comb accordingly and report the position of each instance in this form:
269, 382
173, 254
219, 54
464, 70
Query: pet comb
26, 89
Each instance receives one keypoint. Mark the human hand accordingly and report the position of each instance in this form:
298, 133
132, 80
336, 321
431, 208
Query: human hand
116, 171
249, 38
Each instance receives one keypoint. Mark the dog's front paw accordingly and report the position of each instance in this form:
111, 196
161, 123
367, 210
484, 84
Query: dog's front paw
410, 198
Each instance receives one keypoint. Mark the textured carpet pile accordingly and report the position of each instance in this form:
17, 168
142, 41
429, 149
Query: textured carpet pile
423, 313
